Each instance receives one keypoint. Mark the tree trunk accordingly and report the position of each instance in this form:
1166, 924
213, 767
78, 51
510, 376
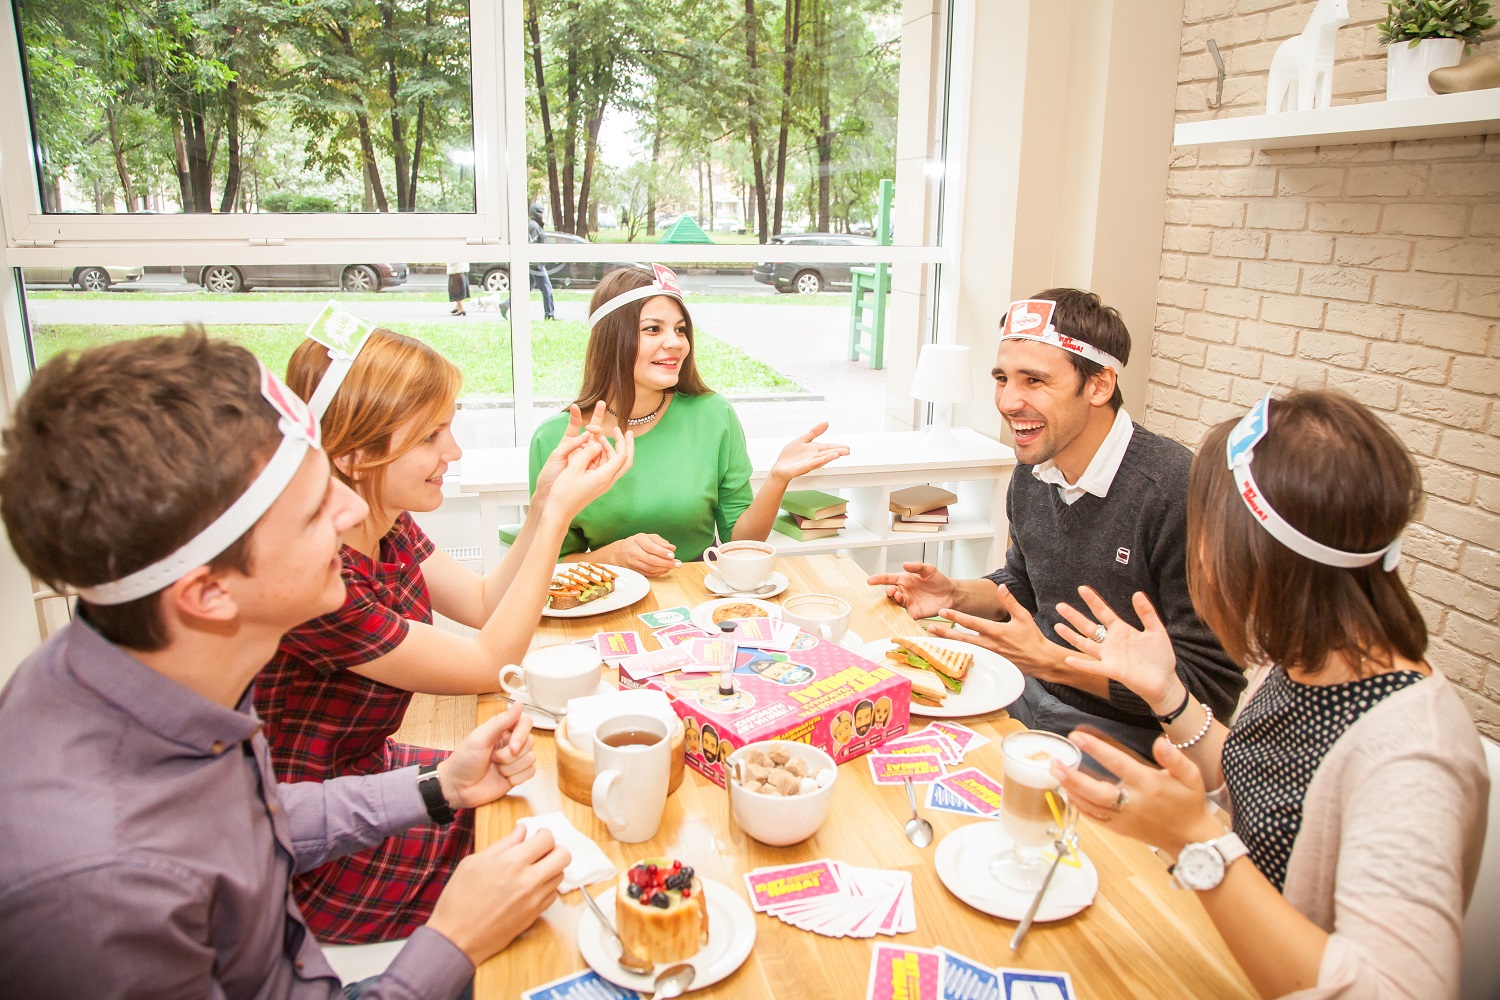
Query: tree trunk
570, 140
534, 28
825, 120
200, 173
115, 148
416, 155
232, 172
655, 166
708, 166
372, 168
184, 178
393, 91
590, 149
791, 28
751, 31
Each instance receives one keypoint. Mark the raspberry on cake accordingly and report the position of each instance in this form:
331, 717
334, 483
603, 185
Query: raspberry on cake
660, 911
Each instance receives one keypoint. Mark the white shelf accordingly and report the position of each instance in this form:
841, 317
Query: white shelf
1474, 113
853, 535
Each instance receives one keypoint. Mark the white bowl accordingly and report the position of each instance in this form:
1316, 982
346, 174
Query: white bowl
780, 820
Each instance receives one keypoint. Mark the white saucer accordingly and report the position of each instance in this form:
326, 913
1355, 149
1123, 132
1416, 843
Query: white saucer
963, 864
851, 641
715, 585
546, 722
731, 935
703, 614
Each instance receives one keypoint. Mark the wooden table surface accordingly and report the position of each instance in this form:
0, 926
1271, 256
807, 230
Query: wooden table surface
1139, 938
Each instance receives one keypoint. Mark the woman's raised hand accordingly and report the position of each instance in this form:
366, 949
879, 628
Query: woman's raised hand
804, 454
576, 436
1141, 659
591, 468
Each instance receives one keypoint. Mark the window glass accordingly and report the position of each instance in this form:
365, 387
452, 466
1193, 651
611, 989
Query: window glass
250, 105
725, 123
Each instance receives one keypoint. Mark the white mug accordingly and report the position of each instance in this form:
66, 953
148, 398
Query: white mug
630, 779
554, 674
743, 566
822, 615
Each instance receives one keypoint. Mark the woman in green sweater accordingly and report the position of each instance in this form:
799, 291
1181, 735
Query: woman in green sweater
691, 476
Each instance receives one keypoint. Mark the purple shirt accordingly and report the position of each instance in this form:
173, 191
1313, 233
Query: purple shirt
148, 850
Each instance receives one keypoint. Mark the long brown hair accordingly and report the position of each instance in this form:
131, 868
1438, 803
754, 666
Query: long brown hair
1337, 474
609, 364
395, 379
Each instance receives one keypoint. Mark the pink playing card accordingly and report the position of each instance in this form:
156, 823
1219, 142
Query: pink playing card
904, 973
893, 769
976, 788
790, 883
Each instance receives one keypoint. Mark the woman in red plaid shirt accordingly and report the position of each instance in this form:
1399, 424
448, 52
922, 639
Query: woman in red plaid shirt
339, 684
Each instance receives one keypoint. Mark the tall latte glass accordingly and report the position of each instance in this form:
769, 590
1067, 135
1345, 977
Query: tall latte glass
1033, 808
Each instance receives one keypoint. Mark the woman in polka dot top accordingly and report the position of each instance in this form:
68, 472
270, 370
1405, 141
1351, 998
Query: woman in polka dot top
1353, 774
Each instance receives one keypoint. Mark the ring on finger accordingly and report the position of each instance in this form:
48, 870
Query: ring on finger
1122, 798
1100, 633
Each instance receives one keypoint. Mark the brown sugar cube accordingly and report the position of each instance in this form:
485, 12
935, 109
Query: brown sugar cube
757, 773
768, 789
758, 757
797, 766
779, 755
786, 783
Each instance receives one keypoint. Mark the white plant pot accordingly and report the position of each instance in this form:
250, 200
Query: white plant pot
1406, 66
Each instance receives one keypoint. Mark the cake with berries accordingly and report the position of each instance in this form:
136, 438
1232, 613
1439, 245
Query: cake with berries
660, 911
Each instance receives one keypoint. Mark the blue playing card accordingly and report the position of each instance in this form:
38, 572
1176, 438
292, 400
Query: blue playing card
585, 985
965, 979
1024, 984
941, 799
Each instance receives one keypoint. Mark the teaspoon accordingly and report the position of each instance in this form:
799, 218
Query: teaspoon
918, 830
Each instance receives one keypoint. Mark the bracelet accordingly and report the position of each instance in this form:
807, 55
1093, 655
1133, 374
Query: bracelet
1207, 722
1171, 717
438, 809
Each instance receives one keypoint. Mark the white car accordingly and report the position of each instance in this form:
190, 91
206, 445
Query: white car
91, 278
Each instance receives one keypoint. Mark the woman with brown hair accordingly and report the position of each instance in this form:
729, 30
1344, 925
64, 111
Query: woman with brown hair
691, 477
1354, 776
339, 684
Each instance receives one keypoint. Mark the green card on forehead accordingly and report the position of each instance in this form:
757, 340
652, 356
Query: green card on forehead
340, 329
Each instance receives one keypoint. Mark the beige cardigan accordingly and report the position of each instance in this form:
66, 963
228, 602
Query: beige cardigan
1389, 848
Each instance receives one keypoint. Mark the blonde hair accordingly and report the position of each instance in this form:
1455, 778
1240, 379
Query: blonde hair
396, 380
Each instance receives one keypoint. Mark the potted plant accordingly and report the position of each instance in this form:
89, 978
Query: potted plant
1424, 35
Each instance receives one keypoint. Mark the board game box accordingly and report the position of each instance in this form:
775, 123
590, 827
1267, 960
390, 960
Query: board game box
816, 692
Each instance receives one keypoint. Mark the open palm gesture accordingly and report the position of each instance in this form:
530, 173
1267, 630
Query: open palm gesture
804, 454
1141, 659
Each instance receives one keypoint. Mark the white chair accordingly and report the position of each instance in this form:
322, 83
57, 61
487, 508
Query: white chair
354, 962
1481, 957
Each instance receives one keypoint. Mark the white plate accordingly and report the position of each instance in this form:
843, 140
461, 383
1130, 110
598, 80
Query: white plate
703, 614
546, 722
630, 587
963, 863
731, 935
715, 584
992, 684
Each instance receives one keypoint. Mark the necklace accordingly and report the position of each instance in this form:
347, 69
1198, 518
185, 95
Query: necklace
637, 421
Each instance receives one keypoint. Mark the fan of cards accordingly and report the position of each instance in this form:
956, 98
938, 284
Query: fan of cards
940, 974
835, 899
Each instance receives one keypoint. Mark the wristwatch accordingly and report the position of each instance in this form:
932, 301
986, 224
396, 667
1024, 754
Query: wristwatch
1201, 866
431, 787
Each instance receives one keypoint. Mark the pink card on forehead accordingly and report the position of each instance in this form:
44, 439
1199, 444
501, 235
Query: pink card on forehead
666, 278
288, 404
790, 883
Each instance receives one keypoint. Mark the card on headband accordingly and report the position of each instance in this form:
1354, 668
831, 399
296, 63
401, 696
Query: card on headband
666, 278
293, 410
1031, 319
343, 332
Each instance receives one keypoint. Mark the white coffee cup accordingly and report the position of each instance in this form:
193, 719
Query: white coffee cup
553, 674
632, 764
822, 615
743, 566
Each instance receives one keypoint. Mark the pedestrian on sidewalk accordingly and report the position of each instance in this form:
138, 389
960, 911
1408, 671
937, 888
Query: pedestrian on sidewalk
539, 276
458, 286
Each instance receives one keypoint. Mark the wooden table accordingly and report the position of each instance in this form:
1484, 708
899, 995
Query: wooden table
1139, 938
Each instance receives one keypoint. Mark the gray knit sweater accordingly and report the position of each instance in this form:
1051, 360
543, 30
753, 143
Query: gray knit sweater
1132, 539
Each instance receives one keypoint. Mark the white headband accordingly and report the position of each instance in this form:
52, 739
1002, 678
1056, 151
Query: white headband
299, 432
1031, 319
665, 284
343, 333
1241, 449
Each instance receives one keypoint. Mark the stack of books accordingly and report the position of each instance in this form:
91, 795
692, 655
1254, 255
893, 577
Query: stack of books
921, 508
811, 514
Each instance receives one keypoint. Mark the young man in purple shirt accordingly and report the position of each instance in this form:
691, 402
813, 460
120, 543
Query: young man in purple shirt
180, 489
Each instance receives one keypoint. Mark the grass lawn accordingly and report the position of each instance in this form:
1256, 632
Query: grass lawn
480, 348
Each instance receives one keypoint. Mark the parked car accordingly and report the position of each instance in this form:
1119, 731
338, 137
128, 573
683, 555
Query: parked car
810, 278
227, 278
90, 278
495, 276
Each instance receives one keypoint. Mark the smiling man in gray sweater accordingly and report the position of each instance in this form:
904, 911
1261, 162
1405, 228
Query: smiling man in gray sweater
1096, 501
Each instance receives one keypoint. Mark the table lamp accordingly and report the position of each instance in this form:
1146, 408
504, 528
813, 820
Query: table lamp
942, 379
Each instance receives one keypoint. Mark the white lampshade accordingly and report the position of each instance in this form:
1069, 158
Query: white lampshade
943, 374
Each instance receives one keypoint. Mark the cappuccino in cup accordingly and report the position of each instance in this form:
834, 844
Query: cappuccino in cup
743, 566
552, 675
1024, 809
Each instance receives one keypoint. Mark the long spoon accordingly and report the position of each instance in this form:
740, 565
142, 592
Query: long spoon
673, 981
628, 959
527, 706
1025, 925
918, 830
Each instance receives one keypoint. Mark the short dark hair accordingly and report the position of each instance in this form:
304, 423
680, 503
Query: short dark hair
1337, 474
118, 456
609, 361
1084, 316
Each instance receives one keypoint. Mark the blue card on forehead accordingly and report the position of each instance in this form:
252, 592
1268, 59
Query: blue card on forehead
585, 985
965, 979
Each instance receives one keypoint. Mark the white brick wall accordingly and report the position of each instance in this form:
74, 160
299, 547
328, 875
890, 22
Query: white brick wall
1374, 269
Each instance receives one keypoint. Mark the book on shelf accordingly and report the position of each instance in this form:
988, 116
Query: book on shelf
790, 528
822, 522
920, 499
925, 526
813, 504
938, 515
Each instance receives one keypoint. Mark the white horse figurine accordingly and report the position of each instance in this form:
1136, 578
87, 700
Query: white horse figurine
1301, 75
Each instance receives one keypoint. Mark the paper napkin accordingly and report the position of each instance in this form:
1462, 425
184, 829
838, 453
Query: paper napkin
589, 865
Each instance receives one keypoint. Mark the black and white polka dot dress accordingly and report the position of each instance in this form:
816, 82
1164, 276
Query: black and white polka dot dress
1276, 745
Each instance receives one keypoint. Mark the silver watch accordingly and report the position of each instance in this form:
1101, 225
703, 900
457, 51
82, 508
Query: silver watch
1201, 866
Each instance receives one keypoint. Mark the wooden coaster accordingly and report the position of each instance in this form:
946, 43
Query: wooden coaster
575, 768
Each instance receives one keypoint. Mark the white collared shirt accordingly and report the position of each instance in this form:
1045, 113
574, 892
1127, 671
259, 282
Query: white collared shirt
1101, 468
